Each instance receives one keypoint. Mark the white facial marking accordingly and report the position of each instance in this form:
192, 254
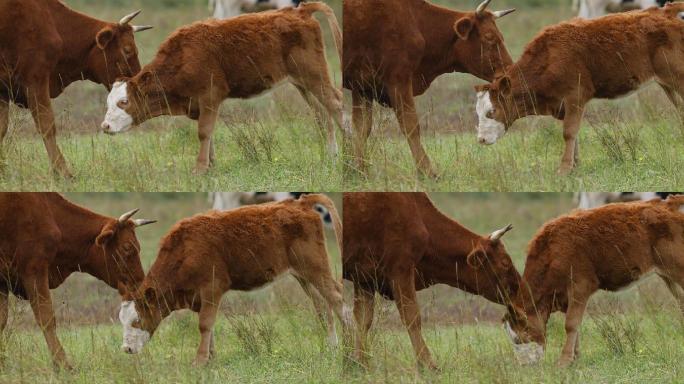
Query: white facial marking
526, 354
133, 338
681, 208
117, 120
488, 130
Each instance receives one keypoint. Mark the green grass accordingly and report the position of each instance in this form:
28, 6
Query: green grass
299, 354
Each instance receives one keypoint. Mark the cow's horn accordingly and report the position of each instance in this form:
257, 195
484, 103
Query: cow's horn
126, 19
499, 14
496, 235
141, 222
482, 7
140, 28
128, 215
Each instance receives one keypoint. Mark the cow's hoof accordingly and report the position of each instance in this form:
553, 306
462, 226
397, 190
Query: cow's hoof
564, 170
564, 362
200, 361
200, 169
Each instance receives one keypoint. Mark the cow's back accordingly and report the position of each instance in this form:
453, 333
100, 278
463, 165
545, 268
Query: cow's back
245, 55
615, 244
245, 247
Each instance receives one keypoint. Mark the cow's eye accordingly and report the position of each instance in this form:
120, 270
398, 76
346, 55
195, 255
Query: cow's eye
490, 114
122, 103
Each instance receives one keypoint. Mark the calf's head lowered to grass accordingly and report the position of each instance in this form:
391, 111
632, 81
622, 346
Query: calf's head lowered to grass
133, 101
140, 316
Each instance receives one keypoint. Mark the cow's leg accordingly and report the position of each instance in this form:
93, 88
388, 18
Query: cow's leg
364, 302
41, 108
324, 312
573, 319
322, 120
211, 299
309, 69
362, 123
571, 126
401, 97
311, 264
212, 154
205, 129
676, 291
38, 293
404, 292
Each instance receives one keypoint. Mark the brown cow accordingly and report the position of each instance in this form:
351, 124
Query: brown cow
570, 63
44, 47
398, 243
46, 238
202, 64
394, 49
607, 248
205, 256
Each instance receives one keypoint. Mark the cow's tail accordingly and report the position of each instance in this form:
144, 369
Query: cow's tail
313, 200
311, 8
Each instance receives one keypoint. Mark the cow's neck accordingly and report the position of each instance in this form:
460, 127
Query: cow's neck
437, 26
77, 251
77, 32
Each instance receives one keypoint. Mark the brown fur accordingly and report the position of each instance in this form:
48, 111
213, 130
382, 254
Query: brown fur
44, 47
606, 248
205, 256
394, 49
45, 239
398, 243
568, 64
202, 64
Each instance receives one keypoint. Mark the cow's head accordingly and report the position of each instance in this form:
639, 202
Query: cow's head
132, 101
489, 257
499, 105
140, 315
114, 53
121, 267
479, 46
525, 325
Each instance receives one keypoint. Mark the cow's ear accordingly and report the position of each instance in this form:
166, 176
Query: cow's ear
482, 88
463, 26
504, 85
150, 296
103, 37
476, 258
104, 237
144, 77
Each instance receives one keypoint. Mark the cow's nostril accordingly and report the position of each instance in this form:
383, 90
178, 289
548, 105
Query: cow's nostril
481, 140
105, 126
128, 349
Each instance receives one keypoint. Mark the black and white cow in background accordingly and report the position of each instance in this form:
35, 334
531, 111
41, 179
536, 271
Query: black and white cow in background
223, 201
224, 9
591, 9
589, 200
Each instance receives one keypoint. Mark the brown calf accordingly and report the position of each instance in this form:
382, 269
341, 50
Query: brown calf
44, 47
45, 238
398, 243
394, 49
607, 248
202, 64
570, 63
205, 256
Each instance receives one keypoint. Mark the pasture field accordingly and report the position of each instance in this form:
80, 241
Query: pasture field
267, 143
634, 336
266, 336
634, 143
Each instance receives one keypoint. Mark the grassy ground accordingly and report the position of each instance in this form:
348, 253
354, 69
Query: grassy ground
632, 336
268, 335
267, 143
632, 143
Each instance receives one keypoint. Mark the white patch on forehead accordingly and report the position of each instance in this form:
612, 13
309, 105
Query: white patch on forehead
117, 120
681, 208
134, 339
488, 130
